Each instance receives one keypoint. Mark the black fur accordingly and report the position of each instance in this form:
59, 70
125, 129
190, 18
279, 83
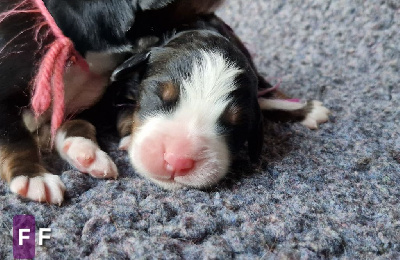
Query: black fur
94, 25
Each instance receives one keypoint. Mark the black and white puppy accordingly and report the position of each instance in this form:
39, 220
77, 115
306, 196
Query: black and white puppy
99, 31
198, 105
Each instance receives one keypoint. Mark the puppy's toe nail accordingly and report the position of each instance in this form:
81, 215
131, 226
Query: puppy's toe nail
310, 123
103, 166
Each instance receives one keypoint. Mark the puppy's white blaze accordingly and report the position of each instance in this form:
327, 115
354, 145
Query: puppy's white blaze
212, 79
204, 95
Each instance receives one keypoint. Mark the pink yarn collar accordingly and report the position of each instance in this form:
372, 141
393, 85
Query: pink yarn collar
48, 84
49, 81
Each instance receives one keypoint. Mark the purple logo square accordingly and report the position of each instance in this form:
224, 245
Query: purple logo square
24, 237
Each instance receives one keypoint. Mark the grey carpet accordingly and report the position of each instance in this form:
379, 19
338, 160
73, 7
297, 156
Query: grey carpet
331, 193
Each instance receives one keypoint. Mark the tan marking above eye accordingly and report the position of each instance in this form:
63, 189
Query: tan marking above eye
169, 92
232, 114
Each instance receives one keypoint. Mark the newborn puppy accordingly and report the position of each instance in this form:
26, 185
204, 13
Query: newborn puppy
198, 106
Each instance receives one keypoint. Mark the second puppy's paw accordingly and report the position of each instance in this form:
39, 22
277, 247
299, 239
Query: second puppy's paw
87, 157
45, 188
318, 114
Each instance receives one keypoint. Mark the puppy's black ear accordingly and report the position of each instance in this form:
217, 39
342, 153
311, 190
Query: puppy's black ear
255, 139
130, 66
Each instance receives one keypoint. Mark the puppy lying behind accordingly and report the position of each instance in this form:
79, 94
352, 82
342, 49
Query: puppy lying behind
198, 105
98, 30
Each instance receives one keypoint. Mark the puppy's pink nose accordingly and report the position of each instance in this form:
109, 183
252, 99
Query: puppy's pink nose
178, 164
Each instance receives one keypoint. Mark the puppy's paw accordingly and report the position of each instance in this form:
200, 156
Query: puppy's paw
46, 188
87, 157
317, 115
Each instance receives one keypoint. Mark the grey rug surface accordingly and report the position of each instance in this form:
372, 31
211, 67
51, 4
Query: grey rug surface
330, 193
